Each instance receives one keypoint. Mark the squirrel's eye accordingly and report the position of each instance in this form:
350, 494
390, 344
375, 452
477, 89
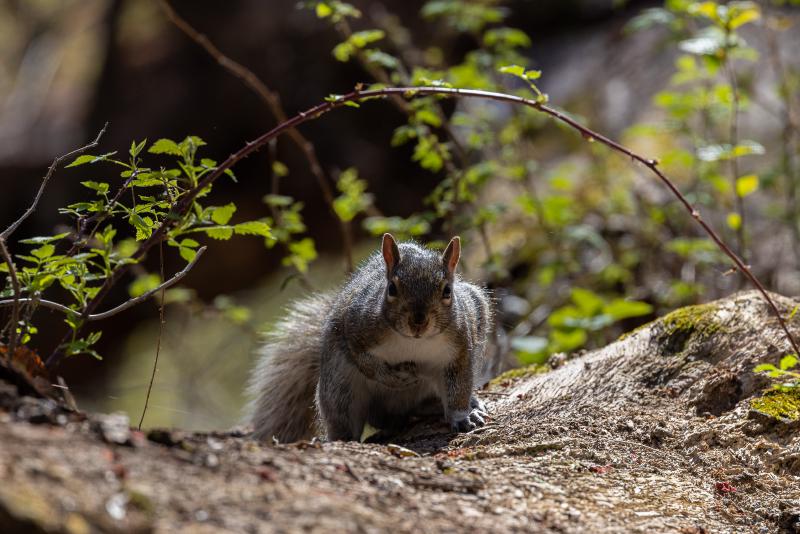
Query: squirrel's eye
447, 292
392, 290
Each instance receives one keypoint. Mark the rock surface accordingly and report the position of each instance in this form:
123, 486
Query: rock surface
653, 433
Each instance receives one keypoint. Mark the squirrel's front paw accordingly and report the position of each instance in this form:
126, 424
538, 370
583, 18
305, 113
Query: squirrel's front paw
466, 421
401, 375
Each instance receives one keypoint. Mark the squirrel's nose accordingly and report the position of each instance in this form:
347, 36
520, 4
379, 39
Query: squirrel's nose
419, 319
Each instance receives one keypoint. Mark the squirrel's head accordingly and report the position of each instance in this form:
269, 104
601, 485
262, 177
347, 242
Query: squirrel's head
419, 286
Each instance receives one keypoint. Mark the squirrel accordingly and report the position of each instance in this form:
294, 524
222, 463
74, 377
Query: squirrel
405, 329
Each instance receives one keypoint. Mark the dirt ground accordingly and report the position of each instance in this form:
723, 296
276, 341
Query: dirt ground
653, 433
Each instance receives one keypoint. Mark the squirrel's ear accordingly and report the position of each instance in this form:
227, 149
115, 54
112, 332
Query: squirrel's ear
391, 254
451, 255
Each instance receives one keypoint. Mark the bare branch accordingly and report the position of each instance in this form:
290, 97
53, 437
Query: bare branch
160, 335
113, 311
4, 235
273, 101
8, 231
12, 273
185, 203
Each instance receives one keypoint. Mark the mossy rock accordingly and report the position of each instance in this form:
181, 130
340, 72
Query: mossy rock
519, 372
780, 404
691, 323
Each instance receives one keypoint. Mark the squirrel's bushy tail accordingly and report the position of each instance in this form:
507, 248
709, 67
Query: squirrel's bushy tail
284, 382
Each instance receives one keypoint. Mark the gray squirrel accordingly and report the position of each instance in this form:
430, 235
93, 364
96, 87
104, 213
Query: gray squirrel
403, 330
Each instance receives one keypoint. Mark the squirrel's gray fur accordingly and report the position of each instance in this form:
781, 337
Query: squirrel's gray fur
404, 329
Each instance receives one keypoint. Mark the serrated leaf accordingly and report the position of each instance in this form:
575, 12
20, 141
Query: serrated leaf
43, 252
219, 232
165, 146
223, 214
253, 228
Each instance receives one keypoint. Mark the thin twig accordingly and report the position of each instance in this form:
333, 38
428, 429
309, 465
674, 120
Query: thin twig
185, 203
160, 333
5, 234
734, 162
273, 101
8, 231
15, 302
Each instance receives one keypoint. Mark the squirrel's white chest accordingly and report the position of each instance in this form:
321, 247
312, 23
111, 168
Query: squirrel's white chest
396, 348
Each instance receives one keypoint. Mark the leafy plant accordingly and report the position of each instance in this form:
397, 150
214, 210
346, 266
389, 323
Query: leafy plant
784, 371
112, 227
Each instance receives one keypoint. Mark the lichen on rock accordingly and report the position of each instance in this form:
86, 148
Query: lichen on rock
783, 404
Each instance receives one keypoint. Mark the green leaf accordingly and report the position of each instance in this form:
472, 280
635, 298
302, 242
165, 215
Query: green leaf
136, 149
323, 10
223, 214
530, 349
508, 37
44, 252
219, 232
301, 254
280, 169
143, 284
187, 253
143, 225
708, 42
278, 201
100, 187
742, 14
745, 148
365, 37
765, 367
87, 158
620, 309
734, 221
514, 70
253, 228
563, 341
588, 302
165, 146
788, 361
429, 117
44, 239
746, 185
725, 152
